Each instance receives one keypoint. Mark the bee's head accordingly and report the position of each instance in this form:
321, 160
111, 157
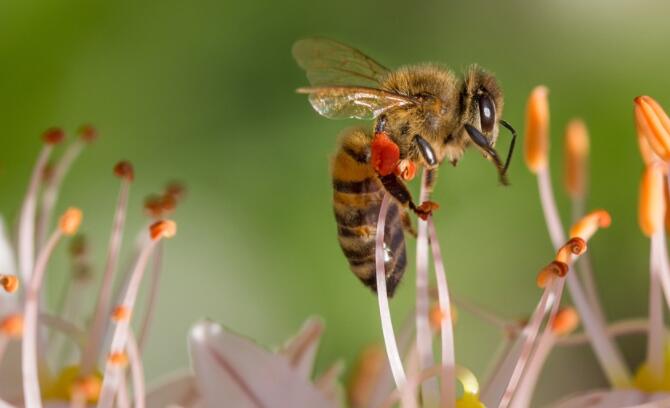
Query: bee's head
481, 103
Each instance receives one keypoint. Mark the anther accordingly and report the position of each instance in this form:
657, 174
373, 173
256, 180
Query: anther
87, 132
565, 321
118, 359
406, 169
153, 206
70, 221
437, 315
78, 246
574, 247
589, 224
551, 271
88, 387
576, 154
655, 124
12, 326
124, 170
163, 229
536, 144
120, 313
651, 211
176, 190
53, 136
10, 283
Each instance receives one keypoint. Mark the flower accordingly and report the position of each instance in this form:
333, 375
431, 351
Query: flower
37, 364
232, 370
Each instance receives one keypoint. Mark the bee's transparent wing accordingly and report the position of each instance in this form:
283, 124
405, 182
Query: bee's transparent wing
341, 102
329, 62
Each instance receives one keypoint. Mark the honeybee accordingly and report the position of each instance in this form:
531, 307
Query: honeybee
423, 115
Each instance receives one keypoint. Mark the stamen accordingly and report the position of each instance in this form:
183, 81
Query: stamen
536, 142
87, 388
10, 283
53, 136
643, 137
117, 359
590, 223
448, 377
55, 180
69, 222
365, 376
382, 296
120, 313
113, 375
123, 170
87, 132
26, 243
176, 190
136, 372
424, 338
655, 123
652, 200
576, 156
152, 298
31, 386
555, 269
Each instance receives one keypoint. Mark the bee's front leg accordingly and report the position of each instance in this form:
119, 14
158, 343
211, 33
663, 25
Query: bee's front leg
385, 159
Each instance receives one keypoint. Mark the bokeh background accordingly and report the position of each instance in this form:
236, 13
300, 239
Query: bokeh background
203, 92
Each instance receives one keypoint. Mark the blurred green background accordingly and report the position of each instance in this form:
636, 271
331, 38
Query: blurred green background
203, 92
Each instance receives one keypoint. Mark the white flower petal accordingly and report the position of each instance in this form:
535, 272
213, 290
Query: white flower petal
178, 390
301, 349
615, 399
234, 371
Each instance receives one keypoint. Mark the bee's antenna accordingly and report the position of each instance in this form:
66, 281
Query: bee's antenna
511, 146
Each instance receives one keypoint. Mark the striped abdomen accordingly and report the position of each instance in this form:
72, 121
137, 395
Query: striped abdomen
357, 196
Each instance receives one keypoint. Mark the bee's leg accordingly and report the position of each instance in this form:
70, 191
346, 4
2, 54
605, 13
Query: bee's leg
394, 186
407, 224
429, 179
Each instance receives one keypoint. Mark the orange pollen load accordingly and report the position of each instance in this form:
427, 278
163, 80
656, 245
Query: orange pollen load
89, 387
653, 123
536, 142
385, 154
10, 283
118, 359
120, 313
652, 204
163, 229
53, 136
124, 170
87, 133
565, 322
12, 326
551, 271
406, 169
69, 222
589, 224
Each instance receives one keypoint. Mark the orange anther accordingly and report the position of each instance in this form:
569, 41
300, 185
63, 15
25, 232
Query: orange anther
124, 170
653, 123
70, 221
176, 190
651, 212
385, 154
12, 326
53, 136
88, 387
406, 169
87, 132
589, 224
163, 229
574, 247
437, 315
551, 271
565, 321
576, 155
118, 358
10, 283
120, 313
536, 142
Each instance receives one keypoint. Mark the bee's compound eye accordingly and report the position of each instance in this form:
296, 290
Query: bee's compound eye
487, 113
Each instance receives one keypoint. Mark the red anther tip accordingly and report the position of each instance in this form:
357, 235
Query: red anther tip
153, 205
385, 154
53, 136
87, 132
176, 190
124, 170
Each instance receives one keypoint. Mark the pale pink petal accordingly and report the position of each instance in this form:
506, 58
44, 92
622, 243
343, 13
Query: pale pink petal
179, 390
8, 301
301, 349
615, 399
234, 371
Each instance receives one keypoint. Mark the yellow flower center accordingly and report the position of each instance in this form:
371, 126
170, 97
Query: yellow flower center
68, 384
469, 400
